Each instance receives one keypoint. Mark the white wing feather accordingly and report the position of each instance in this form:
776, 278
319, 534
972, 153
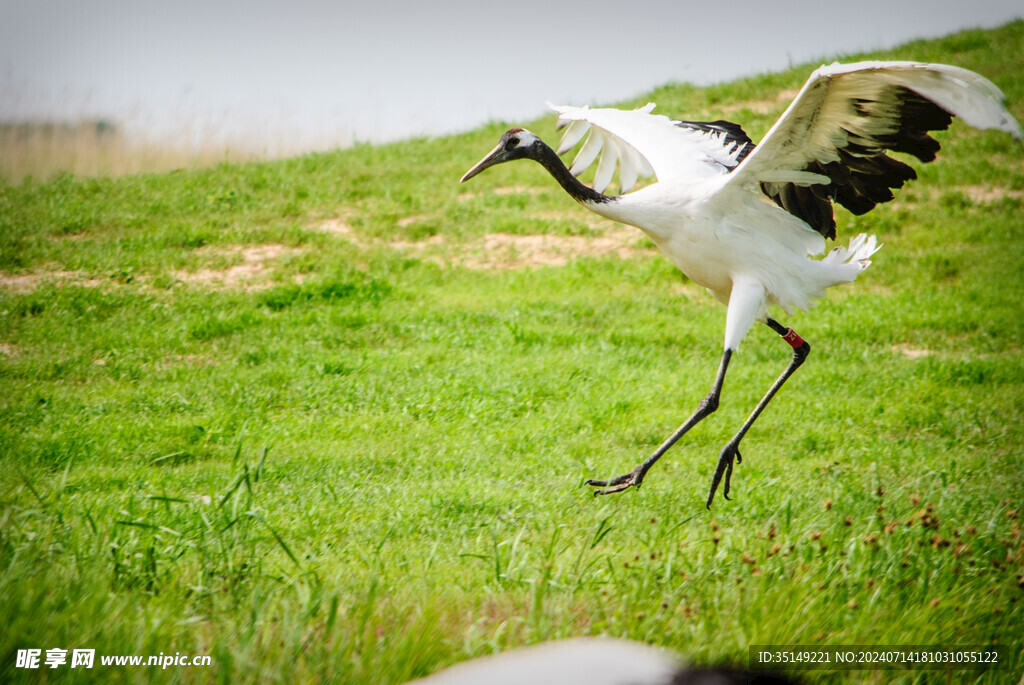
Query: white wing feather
606, 167
573, 134
628, 171
643, 144
587, 154
823, 119
820, 121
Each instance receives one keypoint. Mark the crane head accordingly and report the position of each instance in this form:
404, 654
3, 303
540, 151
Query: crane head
516, 143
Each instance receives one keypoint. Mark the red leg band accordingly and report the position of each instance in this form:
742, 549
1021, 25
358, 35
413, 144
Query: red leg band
794, 340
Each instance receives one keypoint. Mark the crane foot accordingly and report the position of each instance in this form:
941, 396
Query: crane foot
619, 483
725, 461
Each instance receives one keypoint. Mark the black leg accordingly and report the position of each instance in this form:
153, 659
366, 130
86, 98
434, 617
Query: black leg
706, 407
731, 450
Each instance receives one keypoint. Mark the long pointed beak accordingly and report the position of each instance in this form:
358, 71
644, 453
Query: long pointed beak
495, 156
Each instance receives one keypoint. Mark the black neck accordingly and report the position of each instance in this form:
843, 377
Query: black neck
572, 185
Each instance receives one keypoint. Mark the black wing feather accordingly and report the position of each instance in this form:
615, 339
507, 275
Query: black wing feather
734, 135
865, 176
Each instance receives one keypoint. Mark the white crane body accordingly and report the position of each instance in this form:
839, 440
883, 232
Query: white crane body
716, 252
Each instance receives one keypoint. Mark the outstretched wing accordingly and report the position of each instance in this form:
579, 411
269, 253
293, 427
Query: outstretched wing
642, 144
843, 121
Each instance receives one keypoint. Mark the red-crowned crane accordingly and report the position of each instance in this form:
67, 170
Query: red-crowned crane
743, 220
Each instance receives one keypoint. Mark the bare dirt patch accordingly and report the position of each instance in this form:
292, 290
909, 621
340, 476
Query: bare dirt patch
248, 275
764, 106
499, 250
20, 283
502, 190
254, 253
427, 244
517, 190
339, 224
986, 194
27, 283
335, 226
70, 237
978, 194
588, 219
407, 221
911, 352
9, 350
504, 251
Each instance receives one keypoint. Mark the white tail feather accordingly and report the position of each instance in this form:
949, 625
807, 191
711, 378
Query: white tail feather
858, 253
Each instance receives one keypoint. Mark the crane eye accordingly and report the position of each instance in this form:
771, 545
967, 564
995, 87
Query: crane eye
512, 142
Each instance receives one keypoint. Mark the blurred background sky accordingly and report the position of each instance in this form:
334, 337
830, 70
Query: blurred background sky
285, 77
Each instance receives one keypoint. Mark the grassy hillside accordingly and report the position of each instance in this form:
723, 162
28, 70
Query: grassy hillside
329, 418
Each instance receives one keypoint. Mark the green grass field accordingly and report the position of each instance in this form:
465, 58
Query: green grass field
330, 417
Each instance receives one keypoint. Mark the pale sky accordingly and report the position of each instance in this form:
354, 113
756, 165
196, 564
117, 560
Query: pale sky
284, 77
